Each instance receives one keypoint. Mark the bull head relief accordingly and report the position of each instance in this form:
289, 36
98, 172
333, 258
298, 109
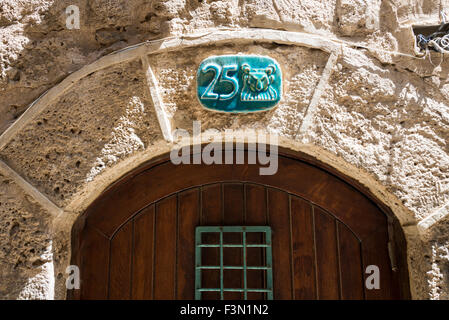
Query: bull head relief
239, 83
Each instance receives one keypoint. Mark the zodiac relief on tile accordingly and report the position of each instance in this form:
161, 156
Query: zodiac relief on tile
257, 84
239, 83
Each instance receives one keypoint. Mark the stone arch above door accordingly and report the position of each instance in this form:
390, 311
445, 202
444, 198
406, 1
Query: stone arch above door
136, 240
112, 115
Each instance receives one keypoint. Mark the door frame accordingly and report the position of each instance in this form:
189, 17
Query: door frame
398, 250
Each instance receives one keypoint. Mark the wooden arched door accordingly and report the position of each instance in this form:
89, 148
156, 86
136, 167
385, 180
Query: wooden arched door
137, 240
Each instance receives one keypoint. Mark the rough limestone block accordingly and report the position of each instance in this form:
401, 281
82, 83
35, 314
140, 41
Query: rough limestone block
392, 125
106, 117
26, 253
358, 16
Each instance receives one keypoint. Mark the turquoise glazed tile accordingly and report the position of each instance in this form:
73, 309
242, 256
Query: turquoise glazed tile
239, 83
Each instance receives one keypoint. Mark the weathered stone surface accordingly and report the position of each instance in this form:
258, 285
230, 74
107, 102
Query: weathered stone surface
301, 70
105, 118
438, 261
37, 50
383, 114
357, 16
25, 245
392, 124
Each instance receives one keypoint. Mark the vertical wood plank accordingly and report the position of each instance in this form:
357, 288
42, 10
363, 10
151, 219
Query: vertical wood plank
303, 249
120, 267
401, 279
211, 215
165, 250
351, 267
375, 252
188, 219
327, 259
256, 215
233, 204
278, 210
94, 268
256, 205
104, 263
143, 257
211, 205
233, 215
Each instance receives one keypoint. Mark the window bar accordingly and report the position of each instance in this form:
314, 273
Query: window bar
234, 267
198, 294
242, 290
233, 245
233, 290
221, 265
269, 271
268, 290
244, 266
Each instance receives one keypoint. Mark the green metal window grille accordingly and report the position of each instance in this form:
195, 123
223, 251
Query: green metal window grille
221, 244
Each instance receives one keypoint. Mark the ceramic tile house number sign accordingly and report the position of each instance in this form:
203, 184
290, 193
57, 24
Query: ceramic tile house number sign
239, 83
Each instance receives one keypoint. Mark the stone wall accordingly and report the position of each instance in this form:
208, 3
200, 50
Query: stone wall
356, 97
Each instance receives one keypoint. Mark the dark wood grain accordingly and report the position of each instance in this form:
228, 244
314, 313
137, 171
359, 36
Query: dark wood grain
293, 176
351, 264
143, 257
256, 215
233, 201
212, 215
120, 264
151, 240
188, 219
279, 217
94, 265
328, 269
375, 252
303, 250
165, 249
212, 205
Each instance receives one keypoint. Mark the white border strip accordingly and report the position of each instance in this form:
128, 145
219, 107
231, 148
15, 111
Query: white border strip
311, 109
54, 210
164, 121
426, 223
